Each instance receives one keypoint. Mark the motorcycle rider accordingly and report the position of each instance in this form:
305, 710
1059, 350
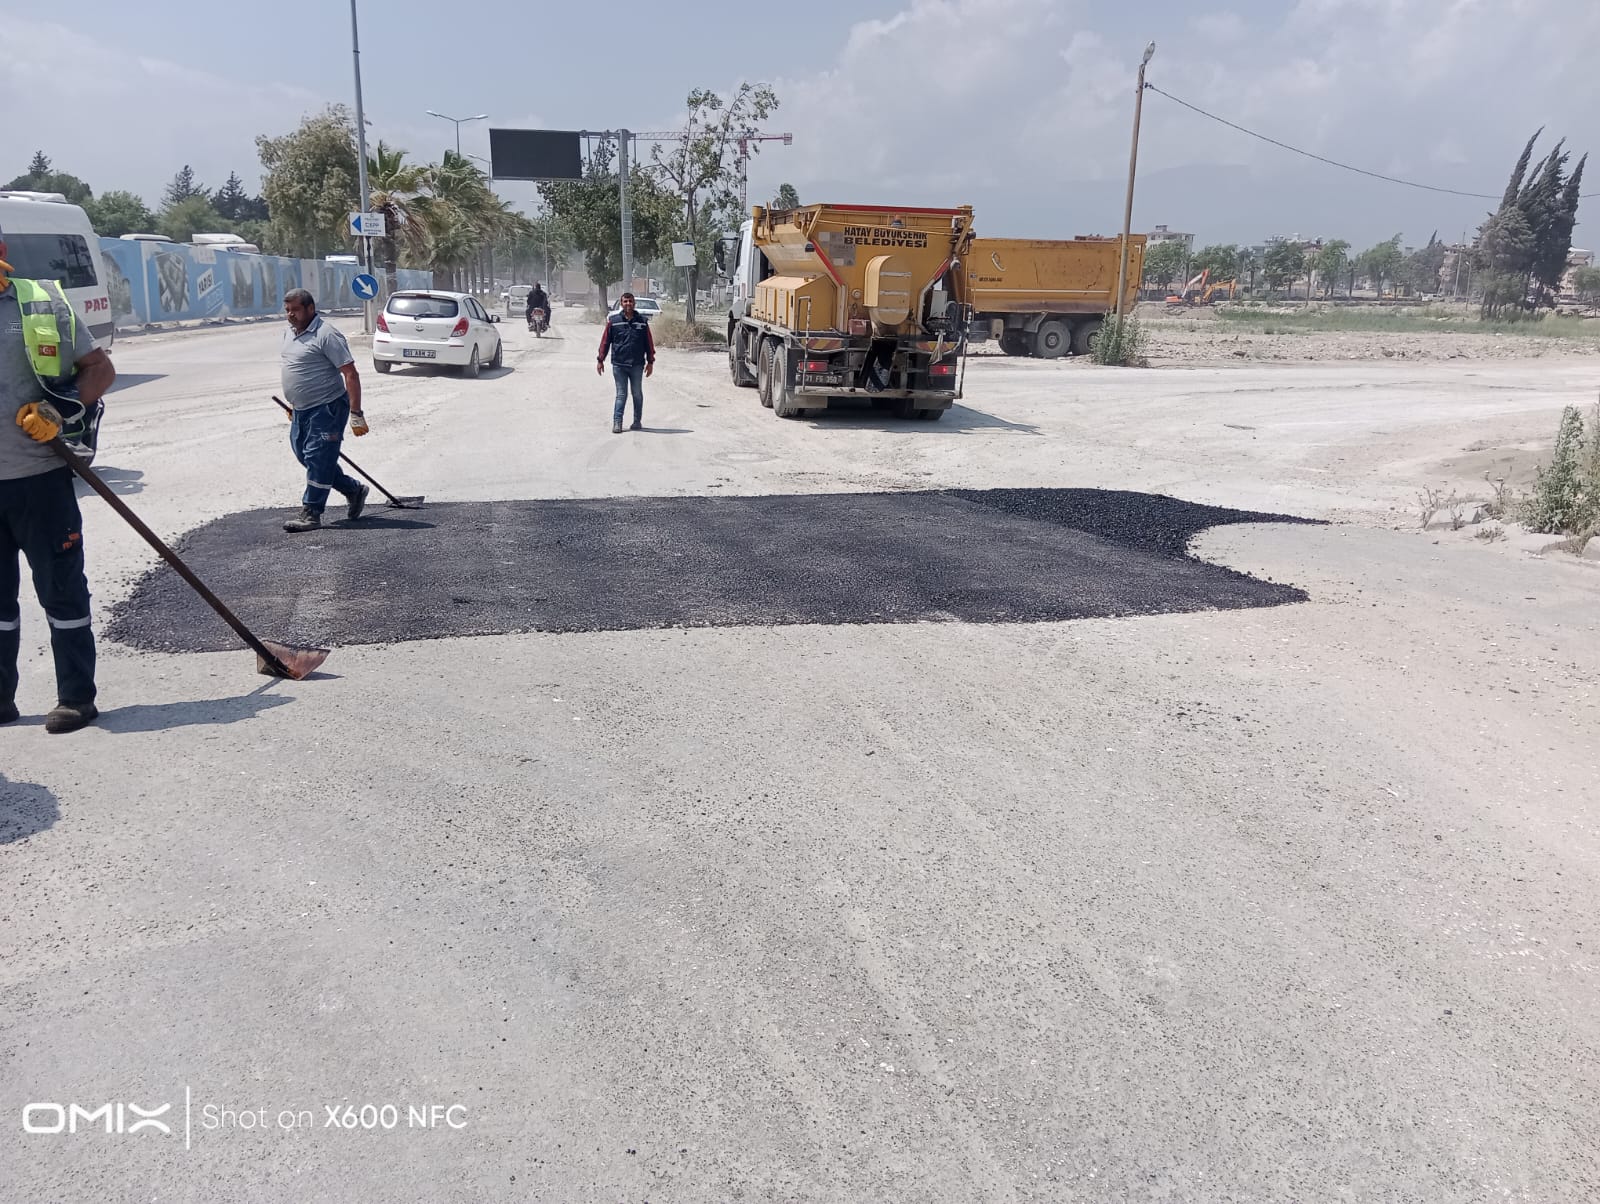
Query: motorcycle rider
537, 299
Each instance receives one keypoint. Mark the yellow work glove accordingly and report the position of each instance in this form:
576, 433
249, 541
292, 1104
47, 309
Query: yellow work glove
39, 421
358, 424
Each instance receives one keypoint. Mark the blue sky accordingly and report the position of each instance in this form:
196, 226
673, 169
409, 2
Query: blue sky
1019, 107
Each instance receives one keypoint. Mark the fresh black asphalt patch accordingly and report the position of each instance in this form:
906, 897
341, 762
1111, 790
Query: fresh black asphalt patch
619, 564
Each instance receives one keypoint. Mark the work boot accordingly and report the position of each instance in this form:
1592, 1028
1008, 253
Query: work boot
308, 519
616, 427
69, 717
637, 425
358, 503
9, 712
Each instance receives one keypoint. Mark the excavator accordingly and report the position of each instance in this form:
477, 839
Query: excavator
1197, 292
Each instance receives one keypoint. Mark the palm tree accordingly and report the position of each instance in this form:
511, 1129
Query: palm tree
396, 187
463, 214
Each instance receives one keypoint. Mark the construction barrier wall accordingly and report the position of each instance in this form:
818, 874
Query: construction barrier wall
152, 282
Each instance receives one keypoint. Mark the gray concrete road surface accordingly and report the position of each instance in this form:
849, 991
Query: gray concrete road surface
1288, 902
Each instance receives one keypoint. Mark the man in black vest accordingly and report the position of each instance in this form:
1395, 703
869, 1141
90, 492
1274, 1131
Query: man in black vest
633, 357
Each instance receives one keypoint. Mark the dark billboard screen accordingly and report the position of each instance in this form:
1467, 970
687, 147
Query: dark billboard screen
535, 155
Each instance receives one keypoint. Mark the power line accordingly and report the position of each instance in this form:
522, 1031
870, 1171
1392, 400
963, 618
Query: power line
1376, 175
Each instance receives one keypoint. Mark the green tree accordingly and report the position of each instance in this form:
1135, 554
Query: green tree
1528, 237
1381, 263
1163, 263
787, 197
1248, 265
182, 187
1586, 283
1505, 253
1557, 502
41, 177
116, 213
394, 189
1283, 264
591, 210
1222, 259
237, 205
1331, 262
1422, 267
463, 217
311, 183
190, 216
700, 167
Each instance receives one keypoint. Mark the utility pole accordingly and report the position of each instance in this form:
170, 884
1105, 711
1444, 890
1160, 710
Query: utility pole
623, 138
1133, 163
361, 163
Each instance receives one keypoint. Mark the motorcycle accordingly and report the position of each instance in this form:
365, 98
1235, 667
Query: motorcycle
538, 322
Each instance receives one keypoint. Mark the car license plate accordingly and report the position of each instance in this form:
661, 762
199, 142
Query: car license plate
412, 353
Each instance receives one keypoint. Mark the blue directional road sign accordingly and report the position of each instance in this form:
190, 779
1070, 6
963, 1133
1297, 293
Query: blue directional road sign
364, 287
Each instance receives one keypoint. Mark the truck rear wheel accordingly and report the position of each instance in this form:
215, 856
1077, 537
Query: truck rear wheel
930, 415
783, 394
1085, 335
1052, 340
764, 372
1014, 342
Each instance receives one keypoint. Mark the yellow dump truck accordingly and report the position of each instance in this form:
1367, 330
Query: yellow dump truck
1046, 297
832, 301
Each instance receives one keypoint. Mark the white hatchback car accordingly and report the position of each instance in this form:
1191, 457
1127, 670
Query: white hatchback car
646, 307
451, 329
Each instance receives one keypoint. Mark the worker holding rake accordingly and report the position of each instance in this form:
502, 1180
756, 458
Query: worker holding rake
47, 355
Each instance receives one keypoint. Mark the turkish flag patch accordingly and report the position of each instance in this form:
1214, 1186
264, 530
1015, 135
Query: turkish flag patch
49, 349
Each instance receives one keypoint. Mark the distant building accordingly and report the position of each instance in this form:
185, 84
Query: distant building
1161, 234
1575, 259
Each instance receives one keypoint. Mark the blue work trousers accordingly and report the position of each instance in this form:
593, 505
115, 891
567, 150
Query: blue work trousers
39, 518
316, 436
626, 375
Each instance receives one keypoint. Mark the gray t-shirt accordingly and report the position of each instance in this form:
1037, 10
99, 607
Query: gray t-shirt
20, 456
311, 363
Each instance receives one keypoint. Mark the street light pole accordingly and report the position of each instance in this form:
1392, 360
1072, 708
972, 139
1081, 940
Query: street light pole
623, 138
456, 121
361, 162
1133, 162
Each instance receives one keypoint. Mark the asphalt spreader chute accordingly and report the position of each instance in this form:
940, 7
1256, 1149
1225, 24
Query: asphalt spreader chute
272, 658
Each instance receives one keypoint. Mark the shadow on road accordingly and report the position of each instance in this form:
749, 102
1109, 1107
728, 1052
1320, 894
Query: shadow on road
619, 564
25, 810
958, 419
210, 712
132, 380
124, 482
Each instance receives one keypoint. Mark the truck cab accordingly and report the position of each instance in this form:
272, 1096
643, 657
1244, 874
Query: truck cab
745, 266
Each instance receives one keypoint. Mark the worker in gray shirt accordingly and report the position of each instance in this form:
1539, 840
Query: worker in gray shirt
321, 385
47, 358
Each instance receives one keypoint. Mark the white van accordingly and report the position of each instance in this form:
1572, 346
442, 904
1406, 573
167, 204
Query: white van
48, 239
224, 242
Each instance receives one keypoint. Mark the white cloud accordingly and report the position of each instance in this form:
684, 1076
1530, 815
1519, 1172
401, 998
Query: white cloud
131, 120
1035, 102
1022, 108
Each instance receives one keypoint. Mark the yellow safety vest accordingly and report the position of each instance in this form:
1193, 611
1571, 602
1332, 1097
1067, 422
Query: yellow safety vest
48, 353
